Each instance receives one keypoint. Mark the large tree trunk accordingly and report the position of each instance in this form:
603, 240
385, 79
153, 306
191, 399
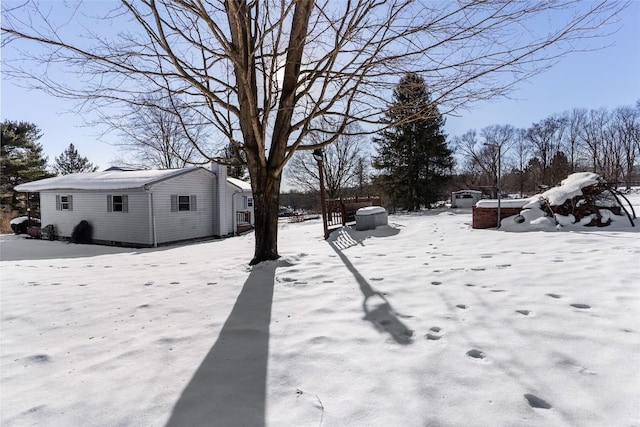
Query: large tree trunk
266, 196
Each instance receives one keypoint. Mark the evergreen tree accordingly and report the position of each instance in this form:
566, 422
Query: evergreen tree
22, 160
414, 160
559, 168
236, 160
71, 162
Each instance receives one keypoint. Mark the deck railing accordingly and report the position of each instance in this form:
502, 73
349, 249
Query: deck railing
342, 211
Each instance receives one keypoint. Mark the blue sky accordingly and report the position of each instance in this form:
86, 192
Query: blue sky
609, 77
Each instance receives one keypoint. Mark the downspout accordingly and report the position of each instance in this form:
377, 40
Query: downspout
152, 214
234, 220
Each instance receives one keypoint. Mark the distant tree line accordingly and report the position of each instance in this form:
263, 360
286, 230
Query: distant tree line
598, 140
414, 165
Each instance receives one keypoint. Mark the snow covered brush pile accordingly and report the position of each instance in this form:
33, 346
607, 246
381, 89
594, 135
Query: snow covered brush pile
583, 199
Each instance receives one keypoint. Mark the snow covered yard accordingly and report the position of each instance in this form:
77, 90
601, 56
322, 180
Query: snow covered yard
426, 322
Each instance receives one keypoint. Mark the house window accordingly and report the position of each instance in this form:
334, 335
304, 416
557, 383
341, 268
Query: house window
183, 203
117, 203
64, 203
249, 202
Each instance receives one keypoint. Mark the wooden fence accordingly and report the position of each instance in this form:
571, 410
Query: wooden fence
342, 211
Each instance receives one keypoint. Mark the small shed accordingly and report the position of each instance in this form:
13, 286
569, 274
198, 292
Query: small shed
465, 198
146, 207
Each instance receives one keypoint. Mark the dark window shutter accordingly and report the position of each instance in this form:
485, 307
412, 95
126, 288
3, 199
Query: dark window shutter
70, 198
174, 203
193, 203
58, 204
125, 203
109, 203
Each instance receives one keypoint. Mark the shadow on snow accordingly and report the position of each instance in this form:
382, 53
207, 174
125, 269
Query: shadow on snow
375, 305
229, 387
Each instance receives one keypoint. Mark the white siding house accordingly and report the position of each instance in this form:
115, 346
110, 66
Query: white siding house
146, 207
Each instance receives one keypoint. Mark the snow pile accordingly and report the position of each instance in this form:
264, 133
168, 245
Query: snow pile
539, 212
570, 187
425, 321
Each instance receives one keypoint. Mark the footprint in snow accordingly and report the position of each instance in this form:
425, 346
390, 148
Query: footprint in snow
536, 402
581, 306
524, 312
436, 283
462, 306
433, 336
556, 296
476, 354
38, 358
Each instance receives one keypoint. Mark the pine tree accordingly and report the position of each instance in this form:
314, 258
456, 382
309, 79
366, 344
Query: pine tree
413, 159
22, 160
237, 162
71, 162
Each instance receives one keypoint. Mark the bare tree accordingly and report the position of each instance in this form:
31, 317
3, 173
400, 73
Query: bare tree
576, 121
341, 165
481, 155
594, 137
158, 133
546, 138
522, 154
262, 73
626, 126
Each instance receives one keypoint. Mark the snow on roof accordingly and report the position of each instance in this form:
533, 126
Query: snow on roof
105, 180
243, 185
467, 191
505, 203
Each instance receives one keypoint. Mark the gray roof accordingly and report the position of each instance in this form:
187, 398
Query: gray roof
105, 180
